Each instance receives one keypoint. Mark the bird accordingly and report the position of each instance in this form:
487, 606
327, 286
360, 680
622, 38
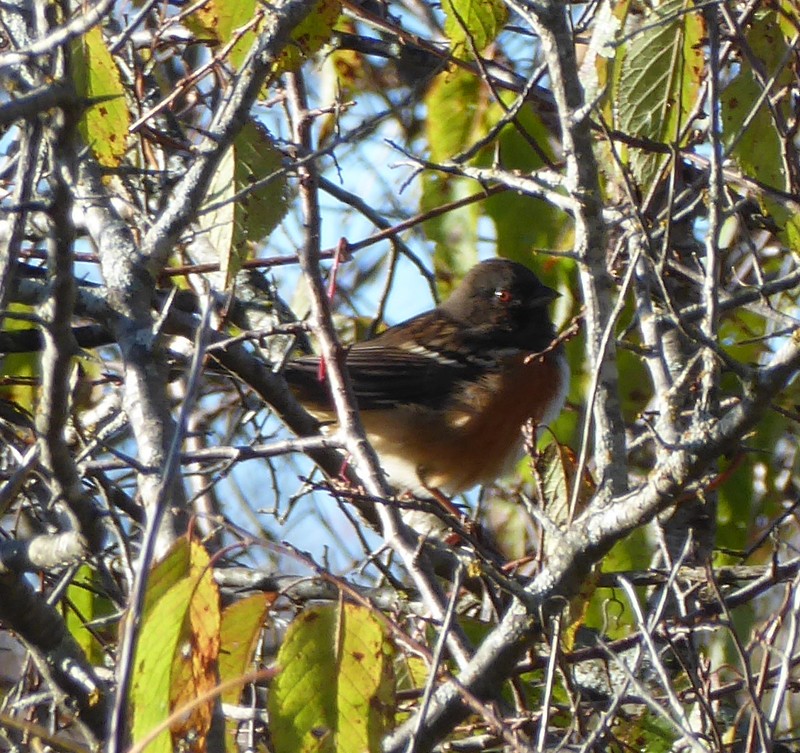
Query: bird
443, 396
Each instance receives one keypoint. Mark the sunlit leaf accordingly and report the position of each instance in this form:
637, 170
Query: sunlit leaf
752, 136
84, 604
260, 211
230, 21
104, 125
161, 634
335, 687
455, 232
555, 468
81, 609
194, 665
523, 146
216, 216
456, 116
240, 629
660, 78
224, 20
310, 35
235, 215
607, 612
177, 650
789, 18
471, 25
19, 372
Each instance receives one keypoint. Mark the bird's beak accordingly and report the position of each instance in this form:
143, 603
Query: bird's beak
547, 295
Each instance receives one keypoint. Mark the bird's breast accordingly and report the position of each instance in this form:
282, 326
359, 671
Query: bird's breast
476, 436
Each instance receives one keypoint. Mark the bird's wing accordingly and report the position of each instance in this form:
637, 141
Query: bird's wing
396, 367
385, 376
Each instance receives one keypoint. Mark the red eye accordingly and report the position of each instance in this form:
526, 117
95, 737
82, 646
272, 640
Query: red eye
503, 295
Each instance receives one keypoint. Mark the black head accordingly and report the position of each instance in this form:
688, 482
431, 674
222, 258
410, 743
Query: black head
504, 300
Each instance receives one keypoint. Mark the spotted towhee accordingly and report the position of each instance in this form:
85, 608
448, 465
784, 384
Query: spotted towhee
444, 395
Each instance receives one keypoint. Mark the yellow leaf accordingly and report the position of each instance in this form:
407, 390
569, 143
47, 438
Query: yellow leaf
104, 125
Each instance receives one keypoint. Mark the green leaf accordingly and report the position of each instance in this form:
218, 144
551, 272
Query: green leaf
178, 645
472, 25
607, 612
335, 687
635, 389
455, 118
455, 114
647, 731
735, 508
20, 373
742, 509
660, 77
240, 630
411, 671
160, 637
166, 573
459, 114
81, 608
222, 20
555, 467
455, 233
104, 125
310, 36
258, 213
757, 149
216, 216
194, 666
235, 222
84, 603
517, 240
